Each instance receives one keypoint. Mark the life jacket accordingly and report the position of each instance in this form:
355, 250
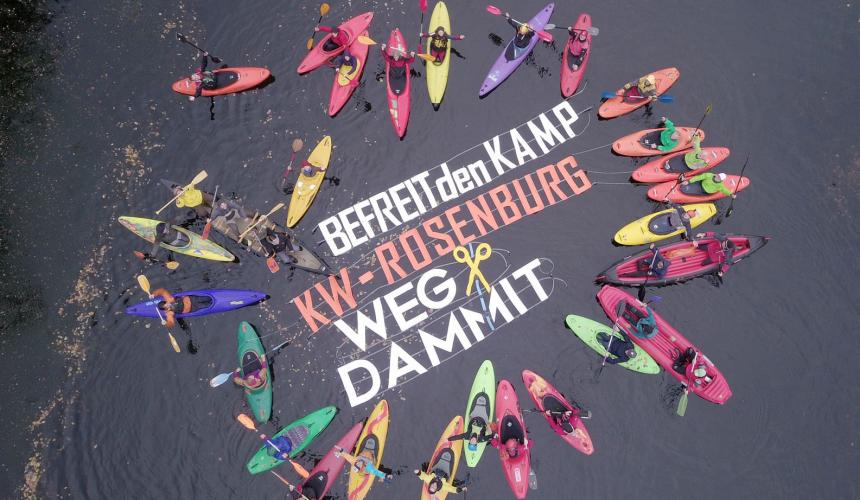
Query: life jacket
169, 315
439, 42
207, 78
646, 87
191, 198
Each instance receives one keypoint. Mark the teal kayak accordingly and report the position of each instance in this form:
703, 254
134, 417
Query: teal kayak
252, 357
300, 433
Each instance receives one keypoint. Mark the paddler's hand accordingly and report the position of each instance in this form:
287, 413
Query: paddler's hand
507, 15
191, 98
383, 46
417, 472
734, 196
316, 29
412, 54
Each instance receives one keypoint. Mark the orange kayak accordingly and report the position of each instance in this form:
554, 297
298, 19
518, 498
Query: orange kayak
618, 106
643, 143
668, 168
229, 80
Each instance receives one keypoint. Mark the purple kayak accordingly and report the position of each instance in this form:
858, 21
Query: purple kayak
513, 56
203, 302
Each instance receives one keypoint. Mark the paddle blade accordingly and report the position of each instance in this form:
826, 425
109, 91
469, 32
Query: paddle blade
532, 479
682, 403
492, 9
324, 7
426, 57
171, 264
594, 31
219, 379
246, 421
607, 95
297, 143
366, 40
143, 281
546, 37
173, 342
422, 4
666, 98
310, 43
139, 255
198, 178
206, 230
299, 469
273, 265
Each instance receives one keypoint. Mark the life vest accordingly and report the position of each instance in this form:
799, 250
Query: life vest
207, 78
440, 43
191, 198
645, 86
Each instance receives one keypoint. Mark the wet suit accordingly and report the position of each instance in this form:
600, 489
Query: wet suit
684, 360
510, 428
695, 159
369, 468
667, 141
207, 78
637, 91
165, 233
251, 365
397, 70
481, 433
557, 411
521, 41
680, 218
279, 248
345, 58
231, 214
339, 38
618, 349
644, 327
578, 48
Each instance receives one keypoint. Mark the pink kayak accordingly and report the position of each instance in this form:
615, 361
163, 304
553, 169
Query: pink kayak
325, 50
546, 397
345, 81
327, 471
570, 78
398, 85
510, 425
666, 346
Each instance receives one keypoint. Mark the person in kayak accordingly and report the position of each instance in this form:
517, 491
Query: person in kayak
656, 265
397, 63
553, 408
643, 88
309, 170
203, 79
167, 234
524, 32
439, 43
695, 159
711, 183
187, 303
720, 252
686, 365
253, 372
339, 38
436, 483
231, 212
680, 218
476, 432
279, 447
578, 47
512, 436
622, 349
669, 136
277, 245
644, 327
363, 464
345, 59
192, 198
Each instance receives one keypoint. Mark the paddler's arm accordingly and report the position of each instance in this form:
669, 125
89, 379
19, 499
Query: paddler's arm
450, 488
698, 178
513, 23
457, 437
724, 189
339, 452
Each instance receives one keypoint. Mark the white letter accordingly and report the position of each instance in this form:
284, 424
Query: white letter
565, 122
364, 323
350, 226
397, 310
345, 370
548, 135
394, 369
336, 240
431, 342
446, 179
447, 286
400, 203
521, 147
528, 271
472, 319
365, 218
462, 180
496, 156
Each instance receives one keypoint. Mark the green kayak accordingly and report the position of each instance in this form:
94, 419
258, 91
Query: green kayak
482, 398
301, 433
252, 357
191, 243
587, 331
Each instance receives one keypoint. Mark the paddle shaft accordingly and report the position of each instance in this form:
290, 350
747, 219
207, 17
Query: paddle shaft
738, 185
181, 38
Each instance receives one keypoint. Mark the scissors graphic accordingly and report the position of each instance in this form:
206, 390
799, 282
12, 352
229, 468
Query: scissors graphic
482, 253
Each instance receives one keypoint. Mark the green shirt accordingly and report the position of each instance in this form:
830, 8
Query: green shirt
666, 140
694, 158
709, 185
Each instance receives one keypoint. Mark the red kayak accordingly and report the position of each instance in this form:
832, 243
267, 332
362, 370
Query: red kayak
327, 471
643, 143
229, 80
325, 50
570, 78
397, 82
668, 168
547, 397
684, 192
666, 346
510, 424
685, 261
345, 81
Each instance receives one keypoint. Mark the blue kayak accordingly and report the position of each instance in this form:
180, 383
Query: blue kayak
203, 302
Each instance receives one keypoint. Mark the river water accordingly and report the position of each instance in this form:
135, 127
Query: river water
97, 405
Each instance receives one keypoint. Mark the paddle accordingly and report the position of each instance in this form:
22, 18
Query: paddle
663, 98
426, 57
543, 35
143, 281
682, 403
223, 377
323, 11
422, 6
261, 219
248, 423
591, 30
181, 38
196, 180
290, 486
532, 479
366, 40
618, 312
297, 146
707, 112
170, 264
208, 227
732, 203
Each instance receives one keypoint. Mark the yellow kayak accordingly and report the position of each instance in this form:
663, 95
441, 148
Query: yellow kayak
191, 244
307, 186
370, 444
656, 227
437, 73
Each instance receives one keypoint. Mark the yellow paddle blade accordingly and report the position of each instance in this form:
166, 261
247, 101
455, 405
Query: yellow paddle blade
198, 178
299, 469
297, 145
171, 264
143, 281
173, 342
310, 43
246, 421
366, 40
277, 207
324, 9
426, 57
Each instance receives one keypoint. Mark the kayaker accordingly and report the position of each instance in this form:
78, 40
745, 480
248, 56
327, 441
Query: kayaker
232, 213
436, 483
524, 32
578, 47
476, 432
345, 58
645, 327
167, 234
254, 369
339, 38
280, 447
712, 183
622, 349
669, 136
720, 251
277, 244
439, 43
553, 408
185, 305
396, 59
191, 198
363, 464
309, 170
511, 436
643, 88
680, 219
686, 365
656, 265
203, 79
694, 159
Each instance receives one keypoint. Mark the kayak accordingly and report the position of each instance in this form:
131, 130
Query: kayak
656, 226
324, 51
511, 58
437, 72
685, 261
301, 433
445, 459
194, 246
301, 256
346, 79
398, 85
640, 143
480, 404
321, 478
571, 78
370, 443
693, 193
221, 300
252, 357
587, 331
546, 397
307, 187
510, 424
668, 168
228, 81
617, 106
666, 346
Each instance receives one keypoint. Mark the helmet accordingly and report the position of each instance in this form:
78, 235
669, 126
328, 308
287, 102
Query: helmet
472, 447
631, 353
700, 371
651, 79
720, 177
308, 170
523, 29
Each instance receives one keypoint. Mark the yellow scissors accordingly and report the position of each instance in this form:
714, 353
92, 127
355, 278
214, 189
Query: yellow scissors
482, 253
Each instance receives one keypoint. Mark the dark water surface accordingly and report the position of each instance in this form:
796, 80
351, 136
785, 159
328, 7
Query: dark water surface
101, 407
